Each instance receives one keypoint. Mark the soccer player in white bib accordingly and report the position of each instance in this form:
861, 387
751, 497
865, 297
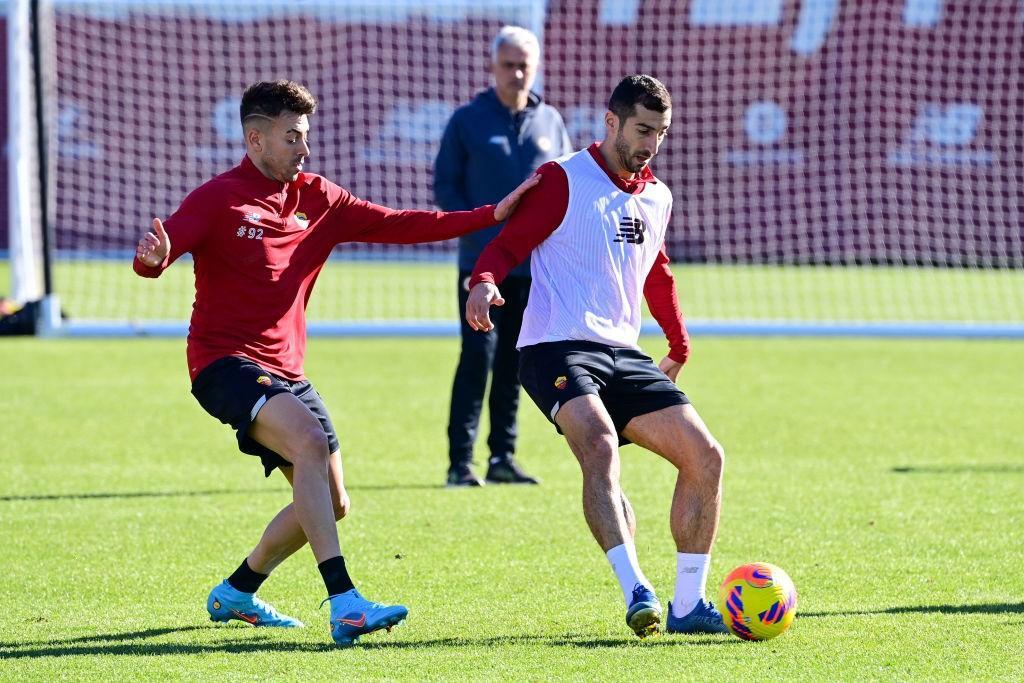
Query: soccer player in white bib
594, 228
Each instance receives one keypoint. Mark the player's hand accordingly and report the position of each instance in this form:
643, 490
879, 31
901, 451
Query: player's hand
154, 246
478, 307
507, 206
670, 367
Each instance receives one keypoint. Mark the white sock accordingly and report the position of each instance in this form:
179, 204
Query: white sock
691, 575
627, 569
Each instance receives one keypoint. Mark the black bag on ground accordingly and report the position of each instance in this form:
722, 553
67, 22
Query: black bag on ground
22, 321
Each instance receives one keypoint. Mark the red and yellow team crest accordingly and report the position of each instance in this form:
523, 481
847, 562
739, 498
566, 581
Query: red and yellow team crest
561, 381
264, 380
301, 219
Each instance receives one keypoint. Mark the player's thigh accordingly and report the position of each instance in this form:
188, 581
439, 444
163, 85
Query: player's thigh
589, 430
584, 418
556, 373
676, 433
288, 427
306, 393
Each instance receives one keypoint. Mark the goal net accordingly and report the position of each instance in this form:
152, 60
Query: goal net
836, 166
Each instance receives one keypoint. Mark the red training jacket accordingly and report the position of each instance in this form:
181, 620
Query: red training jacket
258, 246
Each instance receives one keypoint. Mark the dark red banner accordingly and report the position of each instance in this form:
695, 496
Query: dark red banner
803, 132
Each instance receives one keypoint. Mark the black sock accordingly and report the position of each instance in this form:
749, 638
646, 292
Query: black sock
335, 576
245, 579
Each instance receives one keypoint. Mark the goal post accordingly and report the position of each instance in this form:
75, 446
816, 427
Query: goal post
837, 168
30, 235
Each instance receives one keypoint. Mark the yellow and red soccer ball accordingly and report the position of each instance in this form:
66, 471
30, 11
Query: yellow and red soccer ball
757, 601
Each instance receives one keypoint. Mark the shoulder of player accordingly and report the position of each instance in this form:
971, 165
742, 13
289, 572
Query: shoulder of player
315, 184
222, 190
224, 187
552, 172
214, 191
576, 160
230, 181
553, 185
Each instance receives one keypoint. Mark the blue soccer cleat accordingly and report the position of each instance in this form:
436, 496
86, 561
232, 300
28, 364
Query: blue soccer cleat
644, 612
703, 618
352, 615
226, 603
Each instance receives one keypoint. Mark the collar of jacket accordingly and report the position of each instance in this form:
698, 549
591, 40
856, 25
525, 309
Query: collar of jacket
533, 100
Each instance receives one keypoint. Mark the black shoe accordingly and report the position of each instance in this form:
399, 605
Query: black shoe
463, 477
507, 472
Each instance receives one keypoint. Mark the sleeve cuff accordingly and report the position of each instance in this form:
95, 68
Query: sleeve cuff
481, 277
142, 269
679, 355
486, 214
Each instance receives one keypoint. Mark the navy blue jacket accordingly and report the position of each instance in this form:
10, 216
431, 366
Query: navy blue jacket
486, 152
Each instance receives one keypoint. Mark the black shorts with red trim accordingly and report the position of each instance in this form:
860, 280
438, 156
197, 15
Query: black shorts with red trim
626, 380
234, 389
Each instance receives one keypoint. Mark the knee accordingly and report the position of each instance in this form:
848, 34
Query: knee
599, 451
711, 461
717, 455
309, 445
705, 462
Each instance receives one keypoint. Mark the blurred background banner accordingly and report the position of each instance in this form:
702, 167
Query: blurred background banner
805, 132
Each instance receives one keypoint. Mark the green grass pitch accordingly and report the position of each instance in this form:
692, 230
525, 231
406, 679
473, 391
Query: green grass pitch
365, 291
884, 476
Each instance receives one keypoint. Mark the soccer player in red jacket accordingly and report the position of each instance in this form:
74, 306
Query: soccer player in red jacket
594, 229
259, 235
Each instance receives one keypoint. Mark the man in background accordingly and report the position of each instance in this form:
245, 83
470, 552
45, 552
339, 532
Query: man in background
491, 145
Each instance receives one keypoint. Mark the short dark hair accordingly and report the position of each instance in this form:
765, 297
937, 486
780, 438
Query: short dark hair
269, 98
638, 89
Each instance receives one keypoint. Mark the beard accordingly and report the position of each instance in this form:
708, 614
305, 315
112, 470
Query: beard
625, 154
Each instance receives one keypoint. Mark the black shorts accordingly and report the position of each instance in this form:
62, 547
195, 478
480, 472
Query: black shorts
628, 382
233, 389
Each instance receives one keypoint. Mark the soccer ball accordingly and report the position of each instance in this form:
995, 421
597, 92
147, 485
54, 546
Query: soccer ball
757, 601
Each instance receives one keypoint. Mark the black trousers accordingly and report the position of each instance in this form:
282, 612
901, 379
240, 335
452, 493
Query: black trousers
486, 353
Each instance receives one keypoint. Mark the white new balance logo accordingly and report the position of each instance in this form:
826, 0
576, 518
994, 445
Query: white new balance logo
942, 135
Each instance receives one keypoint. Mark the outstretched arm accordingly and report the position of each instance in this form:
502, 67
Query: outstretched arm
660, 292
357, 220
